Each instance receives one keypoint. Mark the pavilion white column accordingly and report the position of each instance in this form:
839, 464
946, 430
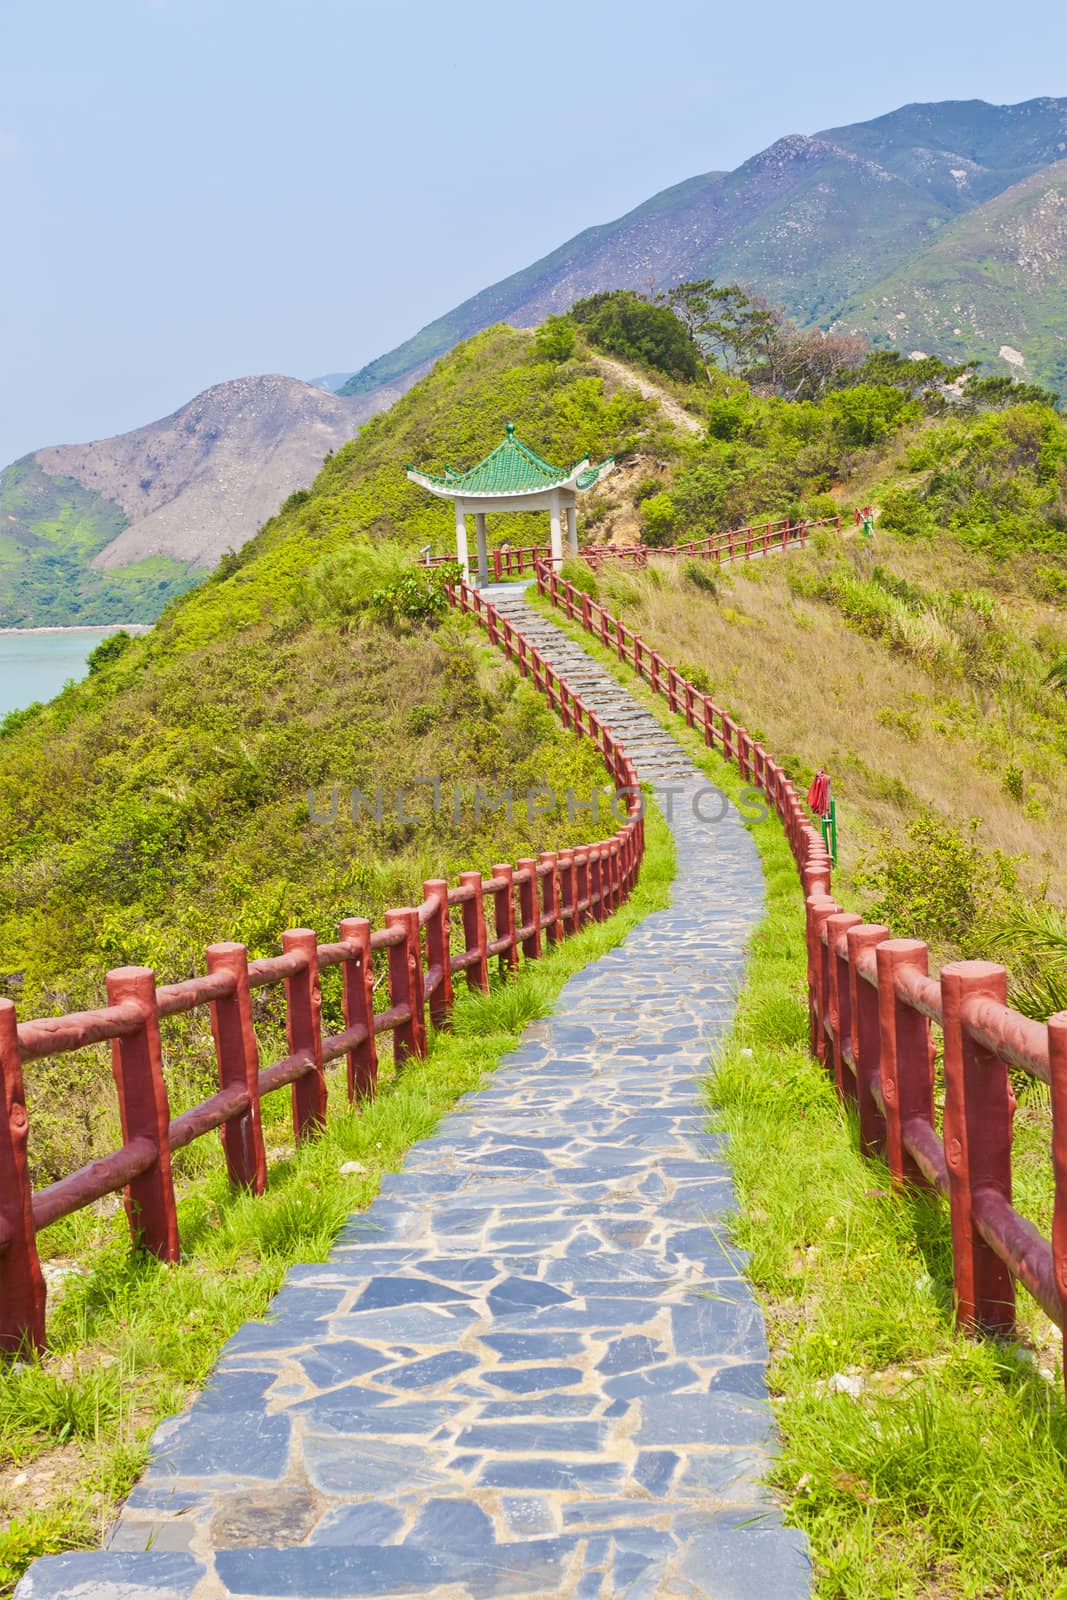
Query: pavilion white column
462, 555
572, 529
557, 531
483, 548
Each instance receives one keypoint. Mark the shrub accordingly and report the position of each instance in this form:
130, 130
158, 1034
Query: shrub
699, 677
555, 339
727, 416
658, 518
378, 580
648, 486
109, 650
869, 413
622, 323
581, 574
940, 884
702, 575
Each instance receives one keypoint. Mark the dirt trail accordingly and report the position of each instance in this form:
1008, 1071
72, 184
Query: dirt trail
650, 391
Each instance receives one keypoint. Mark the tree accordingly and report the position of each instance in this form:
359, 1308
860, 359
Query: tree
741, 334
625, 324
555, 339
726, 323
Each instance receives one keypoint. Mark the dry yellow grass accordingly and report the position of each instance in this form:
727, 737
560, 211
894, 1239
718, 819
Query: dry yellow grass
893, 734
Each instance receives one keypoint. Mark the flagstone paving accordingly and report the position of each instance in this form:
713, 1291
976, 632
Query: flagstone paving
534, 1366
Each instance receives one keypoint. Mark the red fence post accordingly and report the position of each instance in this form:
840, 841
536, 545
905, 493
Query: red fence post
866, 1036
581, 887
979, 1109
819, 907
597, 909
237, 1054
22, 1290
504, 917
357, 979
709, 722
1057, 1056
530, 910
137, 1062
474, 931
905, 1061
840, 1000
303, 1027
550, 897
406, 985
568, 890
439, 950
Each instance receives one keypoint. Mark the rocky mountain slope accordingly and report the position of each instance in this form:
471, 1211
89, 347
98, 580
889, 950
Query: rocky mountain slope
109, 531
811, 222
993, 285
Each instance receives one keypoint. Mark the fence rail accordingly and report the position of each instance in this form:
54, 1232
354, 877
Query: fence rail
533, 903
737, 544
872, 1005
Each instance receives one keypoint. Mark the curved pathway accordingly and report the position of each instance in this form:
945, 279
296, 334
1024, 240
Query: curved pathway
533, 1367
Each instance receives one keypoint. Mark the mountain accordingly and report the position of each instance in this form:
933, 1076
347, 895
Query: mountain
109, 531
993, 284
813, 222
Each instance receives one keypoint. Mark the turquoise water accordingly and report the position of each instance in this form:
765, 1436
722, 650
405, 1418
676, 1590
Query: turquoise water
35, 666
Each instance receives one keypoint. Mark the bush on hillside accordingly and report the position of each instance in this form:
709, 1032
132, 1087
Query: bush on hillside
940, 884
626, 325
998, 482
658, 518
581, 574
380, 581
109, 650
703, 575
555, 339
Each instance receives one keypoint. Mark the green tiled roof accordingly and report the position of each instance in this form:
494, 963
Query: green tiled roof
512, 468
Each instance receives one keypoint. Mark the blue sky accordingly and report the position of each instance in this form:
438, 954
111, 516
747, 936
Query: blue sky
192, 190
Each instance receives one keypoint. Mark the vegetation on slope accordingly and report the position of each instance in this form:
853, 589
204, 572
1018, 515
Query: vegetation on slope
162, 803
50, 529
994, 278
919, 1463
926, 663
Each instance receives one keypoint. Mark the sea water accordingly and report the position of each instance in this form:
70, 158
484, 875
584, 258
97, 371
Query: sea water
35, 664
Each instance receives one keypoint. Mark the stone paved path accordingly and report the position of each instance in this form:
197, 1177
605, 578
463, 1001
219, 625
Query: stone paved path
533, 1367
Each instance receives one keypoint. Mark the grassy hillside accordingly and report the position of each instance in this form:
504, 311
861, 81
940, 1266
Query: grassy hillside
922, 667
50, 529
162, 803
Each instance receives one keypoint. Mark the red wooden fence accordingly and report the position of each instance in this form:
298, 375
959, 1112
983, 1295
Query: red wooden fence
872, 1003
738, 544
557, 894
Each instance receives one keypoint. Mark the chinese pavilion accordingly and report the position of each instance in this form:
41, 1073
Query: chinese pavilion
513, 478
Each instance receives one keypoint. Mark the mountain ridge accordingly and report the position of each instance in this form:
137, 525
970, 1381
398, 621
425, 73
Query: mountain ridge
112, 529
811, 221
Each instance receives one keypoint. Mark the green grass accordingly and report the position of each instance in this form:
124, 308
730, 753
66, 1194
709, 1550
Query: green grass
131, 1338
946, 1476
